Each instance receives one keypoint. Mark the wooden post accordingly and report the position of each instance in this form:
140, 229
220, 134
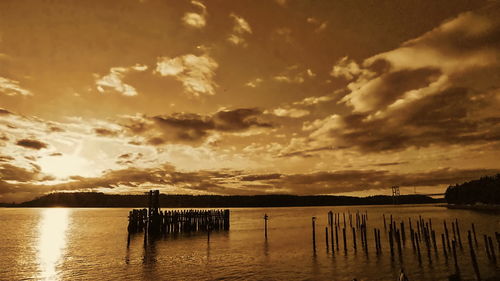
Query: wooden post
454, 247
473, 257
336, 238
447, 236
331, 234
391, 242
418, 250
444, 246
326, 239
492, 249
314, 233
434, 241
403, 234
345, 242
385, 226
412, 236
354, 237
265, 225
486, 246
458, 233
474, 232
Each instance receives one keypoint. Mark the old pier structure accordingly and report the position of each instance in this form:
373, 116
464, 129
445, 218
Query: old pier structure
154, 221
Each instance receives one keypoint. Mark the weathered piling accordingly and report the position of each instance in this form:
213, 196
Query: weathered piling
497, 236
336, 238
444, 246
447, 236
492, 249
458, 233
474, 232
486, 246
354, 237
391, 241
331, 236
454, 247
326, 239
265, 225
418, 250
345, 241
473, 257
314, 233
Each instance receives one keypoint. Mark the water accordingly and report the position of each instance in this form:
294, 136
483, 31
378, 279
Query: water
91, 244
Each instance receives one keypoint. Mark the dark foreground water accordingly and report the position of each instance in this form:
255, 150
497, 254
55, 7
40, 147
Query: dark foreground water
91, 244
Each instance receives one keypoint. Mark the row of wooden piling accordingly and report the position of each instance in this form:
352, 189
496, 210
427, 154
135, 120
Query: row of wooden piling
421, 233
178, 221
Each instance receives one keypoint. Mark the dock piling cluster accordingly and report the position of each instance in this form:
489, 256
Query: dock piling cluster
154, 221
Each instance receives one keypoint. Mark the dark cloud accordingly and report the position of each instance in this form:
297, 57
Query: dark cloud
308, 153
103, 132
440, 88
360, 180
4, 111
228, 182
261, 177
390, 164
445, 118
192, 128
32, 144
11, 172
56, 154
5, 158
55, 129
239, 119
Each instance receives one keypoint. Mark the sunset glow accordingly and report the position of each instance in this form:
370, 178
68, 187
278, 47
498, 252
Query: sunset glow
247, 97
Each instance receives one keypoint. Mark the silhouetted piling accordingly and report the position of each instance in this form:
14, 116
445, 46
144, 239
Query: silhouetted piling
486, 246
444, 246
314, 233
265, 225
454, 247
326, 240
492, 249
336, 238
458, 233
345, 242
474, 232
473, 257
447, 236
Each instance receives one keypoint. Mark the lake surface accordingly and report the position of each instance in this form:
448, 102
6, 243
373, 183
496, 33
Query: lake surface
91, 244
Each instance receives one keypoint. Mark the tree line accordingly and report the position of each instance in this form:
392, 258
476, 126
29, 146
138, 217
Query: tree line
484, 190
94, 199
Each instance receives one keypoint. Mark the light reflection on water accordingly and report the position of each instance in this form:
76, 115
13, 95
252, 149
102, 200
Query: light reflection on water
52, 241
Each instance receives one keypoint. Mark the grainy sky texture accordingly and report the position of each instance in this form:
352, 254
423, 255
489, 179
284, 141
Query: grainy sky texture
247, 97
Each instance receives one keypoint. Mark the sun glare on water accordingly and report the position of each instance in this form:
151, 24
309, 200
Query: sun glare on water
52, 242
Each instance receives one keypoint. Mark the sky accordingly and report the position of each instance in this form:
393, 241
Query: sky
345, 97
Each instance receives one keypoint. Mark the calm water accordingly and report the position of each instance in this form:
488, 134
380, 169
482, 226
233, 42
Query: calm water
91, 244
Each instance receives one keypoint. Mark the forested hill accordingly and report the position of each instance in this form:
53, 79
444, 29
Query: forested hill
484, 190
91, 199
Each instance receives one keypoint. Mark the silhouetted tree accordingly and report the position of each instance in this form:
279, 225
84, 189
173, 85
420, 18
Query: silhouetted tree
484, 190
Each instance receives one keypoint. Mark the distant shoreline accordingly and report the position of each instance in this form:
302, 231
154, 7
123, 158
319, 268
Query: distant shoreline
100, 200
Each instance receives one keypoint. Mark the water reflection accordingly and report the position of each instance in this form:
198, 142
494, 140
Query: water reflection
52, 241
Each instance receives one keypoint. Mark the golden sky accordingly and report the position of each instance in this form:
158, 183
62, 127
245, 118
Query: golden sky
247, 97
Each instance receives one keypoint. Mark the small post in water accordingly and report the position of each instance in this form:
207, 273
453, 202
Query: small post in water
265, 225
